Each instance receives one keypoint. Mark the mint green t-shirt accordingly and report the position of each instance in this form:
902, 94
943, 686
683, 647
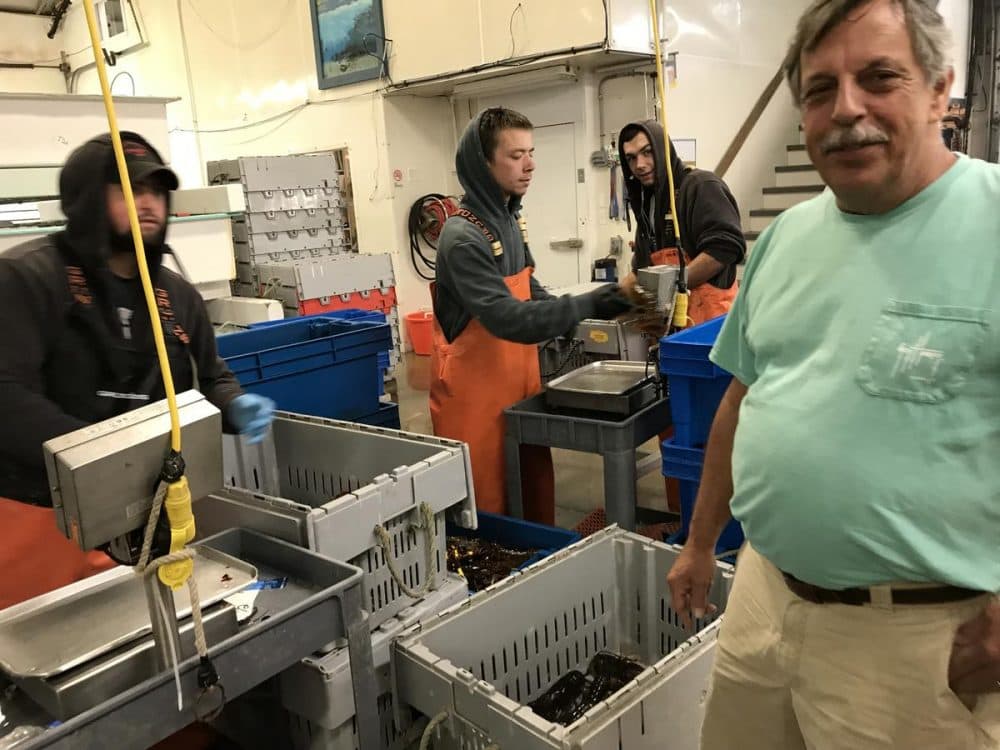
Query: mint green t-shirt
868, 445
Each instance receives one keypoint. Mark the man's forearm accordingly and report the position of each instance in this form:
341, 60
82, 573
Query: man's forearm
711, 510
701, 269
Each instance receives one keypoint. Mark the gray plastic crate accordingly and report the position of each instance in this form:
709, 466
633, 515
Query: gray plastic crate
295, 199
285, 221
244, 253
485, 659
283, 172
325, 485
318, 689
320, 602
333, 276
289, 241
397, 731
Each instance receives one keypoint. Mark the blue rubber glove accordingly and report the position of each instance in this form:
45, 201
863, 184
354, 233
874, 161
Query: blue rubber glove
251, 415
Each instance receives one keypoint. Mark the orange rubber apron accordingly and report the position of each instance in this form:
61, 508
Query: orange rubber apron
707, 301
35, 558
473, 379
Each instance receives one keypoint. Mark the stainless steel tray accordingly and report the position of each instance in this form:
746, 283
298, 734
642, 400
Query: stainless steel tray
53, 633
608, 378
609, 386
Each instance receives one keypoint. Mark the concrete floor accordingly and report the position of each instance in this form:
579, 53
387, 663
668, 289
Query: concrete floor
579, 476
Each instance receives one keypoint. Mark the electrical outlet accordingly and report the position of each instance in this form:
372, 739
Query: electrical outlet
581, 176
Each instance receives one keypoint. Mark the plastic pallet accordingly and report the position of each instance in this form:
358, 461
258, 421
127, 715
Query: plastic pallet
318, 688
325, 485
484, 659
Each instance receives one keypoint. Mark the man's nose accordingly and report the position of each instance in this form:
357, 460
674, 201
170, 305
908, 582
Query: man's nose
849, 106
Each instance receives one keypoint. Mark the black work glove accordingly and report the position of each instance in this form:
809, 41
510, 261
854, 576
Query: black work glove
609, 302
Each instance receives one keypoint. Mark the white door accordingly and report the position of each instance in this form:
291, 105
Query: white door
550, 207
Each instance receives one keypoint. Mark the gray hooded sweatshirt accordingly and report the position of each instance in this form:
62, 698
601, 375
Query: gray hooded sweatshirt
470, 279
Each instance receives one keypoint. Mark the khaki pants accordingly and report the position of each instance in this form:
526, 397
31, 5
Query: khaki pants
791, 675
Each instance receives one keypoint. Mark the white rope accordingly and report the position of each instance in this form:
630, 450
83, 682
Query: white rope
385, 542
148, 569
425, 741
433, 724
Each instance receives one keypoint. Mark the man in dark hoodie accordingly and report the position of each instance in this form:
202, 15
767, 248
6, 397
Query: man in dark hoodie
78, 348
490, 312
710, 228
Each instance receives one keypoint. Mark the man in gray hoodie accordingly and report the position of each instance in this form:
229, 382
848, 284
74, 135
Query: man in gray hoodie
490, 312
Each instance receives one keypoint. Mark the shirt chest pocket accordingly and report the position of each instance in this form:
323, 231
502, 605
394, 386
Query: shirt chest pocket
922, 353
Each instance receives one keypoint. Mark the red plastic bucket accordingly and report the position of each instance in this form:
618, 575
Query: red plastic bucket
420, 330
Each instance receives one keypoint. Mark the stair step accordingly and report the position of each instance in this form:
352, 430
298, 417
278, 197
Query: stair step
797, 156
786, 197
797, 175
760, 218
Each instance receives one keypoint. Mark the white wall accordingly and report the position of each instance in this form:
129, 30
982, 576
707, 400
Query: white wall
420, 141
23, 40
957, 15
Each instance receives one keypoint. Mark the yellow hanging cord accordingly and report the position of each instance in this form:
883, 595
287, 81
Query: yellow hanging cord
140, 252
681, 298
178, 499
173, 493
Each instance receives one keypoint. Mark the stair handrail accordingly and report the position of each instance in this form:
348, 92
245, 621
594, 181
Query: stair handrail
748, 125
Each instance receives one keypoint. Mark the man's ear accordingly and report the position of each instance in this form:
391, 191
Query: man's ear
942, 95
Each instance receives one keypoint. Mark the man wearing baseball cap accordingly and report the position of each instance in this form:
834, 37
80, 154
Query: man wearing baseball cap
77, 348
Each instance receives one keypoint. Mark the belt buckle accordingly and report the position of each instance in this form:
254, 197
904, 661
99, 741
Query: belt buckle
881, 596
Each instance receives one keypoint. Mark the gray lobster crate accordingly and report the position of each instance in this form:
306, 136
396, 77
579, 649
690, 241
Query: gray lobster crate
326, 485
484, 660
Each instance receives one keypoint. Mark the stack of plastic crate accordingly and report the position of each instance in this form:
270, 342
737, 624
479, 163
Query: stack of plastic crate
697, 386
328, 486
387, 414
325, 367
328, 285
295, 242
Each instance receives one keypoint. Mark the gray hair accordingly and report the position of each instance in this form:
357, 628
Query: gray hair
929, 36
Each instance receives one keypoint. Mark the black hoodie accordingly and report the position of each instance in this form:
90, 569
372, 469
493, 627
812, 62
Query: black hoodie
470, 280
710, 219
63, 357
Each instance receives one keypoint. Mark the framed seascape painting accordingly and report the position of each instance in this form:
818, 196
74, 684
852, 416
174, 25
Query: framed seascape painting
349, 39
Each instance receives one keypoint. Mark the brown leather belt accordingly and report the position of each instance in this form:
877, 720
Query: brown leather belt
860, 596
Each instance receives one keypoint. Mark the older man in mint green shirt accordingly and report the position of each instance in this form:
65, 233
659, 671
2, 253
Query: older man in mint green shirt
859, 443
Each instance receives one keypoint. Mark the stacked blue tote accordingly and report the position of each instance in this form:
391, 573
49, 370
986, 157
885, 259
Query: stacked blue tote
330, 365
696, 388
